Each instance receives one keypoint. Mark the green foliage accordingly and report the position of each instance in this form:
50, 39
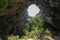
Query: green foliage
47, 32
3, 4
35, 27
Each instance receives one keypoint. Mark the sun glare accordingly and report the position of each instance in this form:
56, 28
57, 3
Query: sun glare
33, 10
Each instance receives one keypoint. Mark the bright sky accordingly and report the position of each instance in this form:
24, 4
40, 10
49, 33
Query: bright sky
33, 10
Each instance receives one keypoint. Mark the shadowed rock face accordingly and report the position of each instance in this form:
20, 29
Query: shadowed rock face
52, 10
13, 18
15, 14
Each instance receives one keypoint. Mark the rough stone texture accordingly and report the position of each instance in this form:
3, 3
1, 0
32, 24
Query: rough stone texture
13, 18
16, 14
52, 11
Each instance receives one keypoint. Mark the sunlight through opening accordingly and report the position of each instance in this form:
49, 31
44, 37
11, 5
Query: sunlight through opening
33, 10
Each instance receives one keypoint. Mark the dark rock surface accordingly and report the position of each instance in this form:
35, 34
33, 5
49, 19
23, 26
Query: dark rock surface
16, 14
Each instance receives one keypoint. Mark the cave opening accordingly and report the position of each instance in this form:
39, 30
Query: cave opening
33, 10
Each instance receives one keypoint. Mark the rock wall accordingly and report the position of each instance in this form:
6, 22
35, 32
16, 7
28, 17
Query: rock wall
16, 14
12, 19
